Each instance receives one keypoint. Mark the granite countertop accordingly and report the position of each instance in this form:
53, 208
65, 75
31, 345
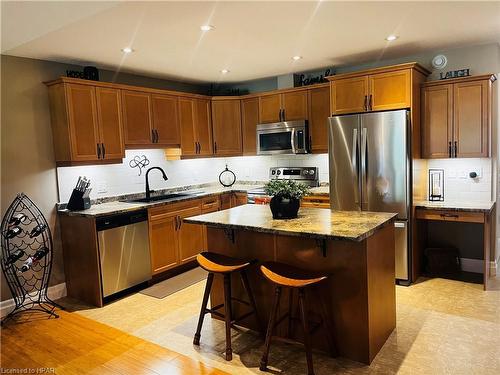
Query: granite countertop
312, 222
456, 205
118, 206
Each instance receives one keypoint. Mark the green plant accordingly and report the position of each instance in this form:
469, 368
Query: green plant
286, 189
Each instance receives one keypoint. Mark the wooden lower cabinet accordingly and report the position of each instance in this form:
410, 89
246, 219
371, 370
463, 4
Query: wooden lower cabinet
172, 242
238, 199
316, 201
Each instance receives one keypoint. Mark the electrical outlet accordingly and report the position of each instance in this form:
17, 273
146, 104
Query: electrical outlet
101, 187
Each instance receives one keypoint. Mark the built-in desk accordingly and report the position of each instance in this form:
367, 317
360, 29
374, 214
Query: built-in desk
451, 211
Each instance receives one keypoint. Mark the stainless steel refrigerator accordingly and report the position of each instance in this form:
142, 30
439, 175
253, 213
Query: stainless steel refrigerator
370, 171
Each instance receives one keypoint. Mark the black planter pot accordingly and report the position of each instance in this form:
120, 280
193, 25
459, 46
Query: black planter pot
284, 208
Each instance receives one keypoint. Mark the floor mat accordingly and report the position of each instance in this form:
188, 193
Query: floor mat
176, 283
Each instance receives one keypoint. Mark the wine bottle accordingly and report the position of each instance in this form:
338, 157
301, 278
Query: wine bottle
34, 259
18, 219
15, 256
13, 232
37, 230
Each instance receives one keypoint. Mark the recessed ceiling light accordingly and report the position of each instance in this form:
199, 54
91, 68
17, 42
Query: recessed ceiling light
127, 50
224, 71
390, 38
296, 58
206, 27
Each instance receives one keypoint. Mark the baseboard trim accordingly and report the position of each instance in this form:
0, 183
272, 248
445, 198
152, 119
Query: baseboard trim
494, 265
54, 292
472, 265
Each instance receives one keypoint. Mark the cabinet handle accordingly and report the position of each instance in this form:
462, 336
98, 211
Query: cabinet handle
176, 222
449, 149
199, 148
370, 103
456, 148
156, 135
180, 221
196, 147
283, 114
103, 150
449, 215
215, 147
152, 136
366, 103
98, 151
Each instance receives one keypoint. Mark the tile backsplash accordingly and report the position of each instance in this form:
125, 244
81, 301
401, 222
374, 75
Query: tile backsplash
457, 183
116, 179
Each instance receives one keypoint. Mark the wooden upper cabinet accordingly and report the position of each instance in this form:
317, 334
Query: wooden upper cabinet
391, 90
270, 108
294, 105
456, 117
349, 95
319, 111
82, 119
437, 117
137, 118
471, 119
249, 121
191, 237
203, 126
163, 241
189, 145
109, 116
226, 124
165, 120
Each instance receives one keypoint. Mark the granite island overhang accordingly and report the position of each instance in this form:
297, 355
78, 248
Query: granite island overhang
356, 250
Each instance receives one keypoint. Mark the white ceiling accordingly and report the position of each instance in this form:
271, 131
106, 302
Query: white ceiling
251, 39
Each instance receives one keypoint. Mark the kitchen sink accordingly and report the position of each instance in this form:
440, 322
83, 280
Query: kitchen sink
157, 198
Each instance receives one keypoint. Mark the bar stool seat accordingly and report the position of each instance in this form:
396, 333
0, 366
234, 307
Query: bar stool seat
289, 276
283, 275
218, 263
224, 265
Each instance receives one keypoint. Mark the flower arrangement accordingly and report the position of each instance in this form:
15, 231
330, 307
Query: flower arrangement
287, 189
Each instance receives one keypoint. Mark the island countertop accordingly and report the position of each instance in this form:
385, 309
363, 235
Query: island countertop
311, 222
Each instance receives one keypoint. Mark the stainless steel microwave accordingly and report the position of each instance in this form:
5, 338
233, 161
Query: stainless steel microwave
288, 137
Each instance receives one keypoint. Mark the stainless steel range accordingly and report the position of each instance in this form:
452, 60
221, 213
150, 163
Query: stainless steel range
306, 175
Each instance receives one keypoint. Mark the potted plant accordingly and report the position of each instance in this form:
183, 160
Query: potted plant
286, 195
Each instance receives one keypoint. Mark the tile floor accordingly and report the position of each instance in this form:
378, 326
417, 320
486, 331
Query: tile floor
443, 327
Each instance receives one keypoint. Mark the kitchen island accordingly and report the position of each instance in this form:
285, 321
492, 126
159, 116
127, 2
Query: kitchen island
356, 250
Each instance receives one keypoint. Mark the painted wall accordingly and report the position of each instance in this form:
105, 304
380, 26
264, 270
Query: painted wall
27, 157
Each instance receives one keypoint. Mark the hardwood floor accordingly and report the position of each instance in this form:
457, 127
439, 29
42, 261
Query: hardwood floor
74, 344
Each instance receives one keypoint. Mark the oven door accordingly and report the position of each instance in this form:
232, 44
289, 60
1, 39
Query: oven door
281, 138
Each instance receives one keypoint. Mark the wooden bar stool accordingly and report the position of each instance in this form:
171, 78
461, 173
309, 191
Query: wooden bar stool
221, 264
283, 275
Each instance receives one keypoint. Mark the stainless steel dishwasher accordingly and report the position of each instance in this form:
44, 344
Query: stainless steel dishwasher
123, 250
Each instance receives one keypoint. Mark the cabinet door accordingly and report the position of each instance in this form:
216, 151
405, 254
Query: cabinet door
319, 111
225, 201
437, 116
137, 118
269, 108
226, 124
109, 116
238, 199
390, 90
82, 115
166, 120
249, 121
295, 105
349, 95
208, 206
191, 236
163, 242
470, 120
186, 121
203, 125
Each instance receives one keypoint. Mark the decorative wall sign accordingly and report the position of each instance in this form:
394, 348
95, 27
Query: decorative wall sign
90, 73
140, 162
455, 74
303, 80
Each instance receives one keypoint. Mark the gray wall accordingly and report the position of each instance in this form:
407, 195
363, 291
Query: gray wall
27, 157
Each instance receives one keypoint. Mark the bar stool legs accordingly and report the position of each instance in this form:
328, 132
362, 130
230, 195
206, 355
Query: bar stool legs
307, 343
228, 315
246, 285
203, 311
270, 328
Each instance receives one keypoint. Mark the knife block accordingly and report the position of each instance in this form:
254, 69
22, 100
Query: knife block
77, 202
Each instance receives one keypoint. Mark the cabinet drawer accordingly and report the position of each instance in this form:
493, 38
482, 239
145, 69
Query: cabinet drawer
171, 207
210, 204
449, 215
318, 201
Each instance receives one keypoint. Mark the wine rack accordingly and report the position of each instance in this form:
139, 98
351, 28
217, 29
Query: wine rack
26, 261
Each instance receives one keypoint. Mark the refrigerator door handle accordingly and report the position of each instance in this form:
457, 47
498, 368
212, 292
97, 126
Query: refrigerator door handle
364, 162
354, 163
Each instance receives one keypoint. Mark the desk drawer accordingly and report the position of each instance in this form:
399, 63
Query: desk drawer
450, 215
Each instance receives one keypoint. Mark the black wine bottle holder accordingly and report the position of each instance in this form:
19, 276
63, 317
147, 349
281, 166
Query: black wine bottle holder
29, 288
77, 202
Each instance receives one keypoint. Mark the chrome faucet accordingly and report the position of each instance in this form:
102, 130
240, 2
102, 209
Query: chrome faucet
148, 192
